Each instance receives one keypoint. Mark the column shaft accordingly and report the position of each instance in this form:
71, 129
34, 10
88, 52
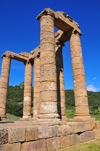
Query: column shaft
80, 92
4, 85
60, 82
36, 101
27, 90
48, 85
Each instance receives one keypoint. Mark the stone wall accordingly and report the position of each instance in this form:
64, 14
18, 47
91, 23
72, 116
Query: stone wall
45, 137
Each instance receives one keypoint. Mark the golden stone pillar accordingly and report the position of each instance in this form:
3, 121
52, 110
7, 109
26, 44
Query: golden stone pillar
48, 79
80, 91
27, 90
4, 80
60, 81
36, 102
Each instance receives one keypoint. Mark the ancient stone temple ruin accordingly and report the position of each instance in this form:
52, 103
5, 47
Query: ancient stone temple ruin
49, 95
49, 127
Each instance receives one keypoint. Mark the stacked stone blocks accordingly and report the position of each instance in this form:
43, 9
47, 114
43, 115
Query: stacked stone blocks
45, 137
27, 90
36, 87
4, 85
48, 82
60, 81
80, 92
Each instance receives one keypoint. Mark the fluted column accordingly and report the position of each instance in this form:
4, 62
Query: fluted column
4, 85
27, 90
36, 102
60, 81
48, 85
80, 92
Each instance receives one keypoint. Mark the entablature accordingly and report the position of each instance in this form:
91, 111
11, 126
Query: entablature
15, 56
62, 20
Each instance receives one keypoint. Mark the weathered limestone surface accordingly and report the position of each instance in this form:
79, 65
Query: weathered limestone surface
27, 90
53, 143
11, 147
36, 102
3, 136
36, 146
48, 86
60, 81
64, 22
97, 130
80, 92
4, 85
23, 56
16, 135
31, 133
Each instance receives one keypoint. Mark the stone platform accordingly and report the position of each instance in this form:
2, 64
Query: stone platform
45, 136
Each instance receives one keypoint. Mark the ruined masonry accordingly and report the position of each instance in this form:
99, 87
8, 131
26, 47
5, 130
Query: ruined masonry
48, 129
49, 95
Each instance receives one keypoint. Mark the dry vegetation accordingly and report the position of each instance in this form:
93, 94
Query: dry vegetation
88, 146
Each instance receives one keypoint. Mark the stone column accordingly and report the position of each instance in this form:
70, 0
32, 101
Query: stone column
80, 92
4, 85
60, 81
27, 90
48, 85
36, 102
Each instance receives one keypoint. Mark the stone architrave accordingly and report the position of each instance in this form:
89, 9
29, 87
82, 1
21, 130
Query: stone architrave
60, 81
27, 90
48, 85
36, 102
4, 85
80, 92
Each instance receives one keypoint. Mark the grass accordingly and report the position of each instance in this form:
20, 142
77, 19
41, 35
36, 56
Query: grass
69, 113
89, 146
97, 117
12, 117
15, 118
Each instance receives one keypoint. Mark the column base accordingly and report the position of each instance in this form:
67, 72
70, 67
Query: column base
34, 118
25, 118
64, 118
46, 122
49, 116
82, 117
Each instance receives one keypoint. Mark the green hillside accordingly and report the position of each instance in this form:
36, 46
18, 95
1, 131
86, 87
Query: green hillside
93, 98
15, 101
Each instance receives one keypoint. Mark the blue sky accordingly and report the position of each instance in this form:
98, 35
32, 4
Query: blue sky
20, 32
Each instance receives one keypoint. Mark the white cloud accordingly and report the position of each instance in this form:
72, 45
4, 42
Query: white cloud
91, 88
94, 78
98, 89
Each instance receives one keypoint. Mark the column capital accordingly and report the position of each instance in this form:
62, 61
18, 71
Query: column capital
59, 44
6, 54
28, 62
37, 56
46, 11
73, 31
